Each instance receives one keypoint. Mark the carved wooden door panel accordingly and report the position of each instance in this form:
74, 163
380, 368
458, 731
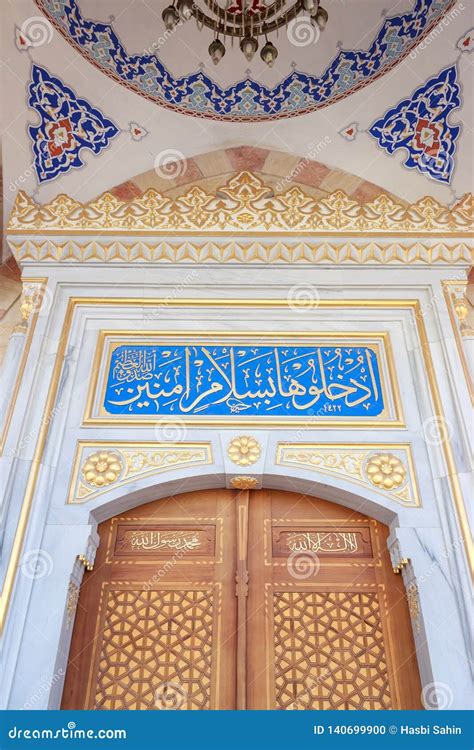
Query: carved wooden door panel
155, 626
234, 600
327, 620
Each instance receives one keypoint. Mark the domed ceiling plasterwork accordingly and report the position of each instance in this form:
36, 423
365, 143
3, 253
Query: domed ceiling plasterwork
312, 71
71, 128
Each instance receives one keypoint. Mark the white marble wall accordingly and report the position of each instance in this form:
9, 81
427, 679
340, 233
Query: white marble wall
37, 632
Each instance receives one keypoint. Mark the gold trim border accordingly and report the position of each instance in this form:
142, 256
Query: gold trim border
43, 282
412, 305
447, 285
369, 449
244, 203
105, 445
259, 251
382, 346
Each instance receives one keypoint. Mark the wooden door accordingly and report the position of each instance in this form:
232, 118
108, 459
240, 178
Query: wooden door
155, 626
328, 622
233, 600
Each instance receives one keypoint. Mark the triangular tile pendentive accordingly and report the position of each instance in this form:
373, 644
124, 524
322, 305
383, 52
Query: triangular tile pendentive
67, 125
420, 125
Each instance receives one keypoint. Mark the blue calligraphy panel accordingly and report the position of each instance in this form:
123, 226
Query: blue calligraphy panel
254, 381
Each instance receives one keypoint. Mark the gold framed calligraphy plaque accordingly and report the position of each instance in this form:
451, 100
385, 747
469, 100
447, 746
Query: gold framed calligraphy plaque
321, 541
159, 540
251, 378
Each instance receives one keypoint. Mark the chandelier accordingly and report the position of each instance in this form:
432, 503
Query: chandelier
244, 20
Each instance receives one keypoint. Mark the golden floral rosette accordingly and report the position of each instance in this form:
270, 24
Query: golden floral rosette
244, 450
102, 468
385, 471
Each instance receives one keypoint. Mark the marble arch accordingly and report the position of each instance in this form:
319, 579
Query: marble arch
278, 169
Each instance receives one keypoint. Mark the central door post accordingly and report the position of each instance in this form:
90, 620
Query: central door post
241, 591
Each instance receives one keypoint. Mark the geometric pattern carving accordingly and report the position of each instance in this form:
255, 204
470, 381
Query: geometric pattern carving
154, 641
244, 203
329, 651
258, 251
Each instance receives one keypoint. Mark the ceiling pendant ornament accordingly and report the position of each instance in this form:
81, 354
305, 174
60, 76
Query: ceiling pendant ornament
420, 125
245, 20
67, 125
245, 203
247, 100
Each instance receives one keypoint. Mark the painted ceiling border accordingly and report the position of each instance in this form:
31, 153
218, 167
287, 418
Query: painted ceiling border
196, 94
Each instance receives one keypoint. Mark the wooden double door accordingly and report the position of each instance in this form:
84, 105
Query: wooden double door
230, 600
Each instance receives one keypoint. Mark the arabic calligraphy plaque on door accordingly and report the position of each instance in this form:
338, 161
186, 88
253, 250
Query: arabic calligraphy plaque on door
232, 381
164, 541
324, 542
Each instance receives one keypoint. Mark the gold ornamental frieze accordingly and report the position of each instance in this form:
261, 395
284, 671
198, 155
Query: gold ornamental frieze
99, 466
259, 250
387, 468
245, 203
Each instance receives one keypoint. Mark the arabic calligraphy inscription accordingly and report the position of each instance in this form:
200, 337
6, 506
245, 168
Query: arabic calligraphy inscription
355, 542
218, 381
164, 541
